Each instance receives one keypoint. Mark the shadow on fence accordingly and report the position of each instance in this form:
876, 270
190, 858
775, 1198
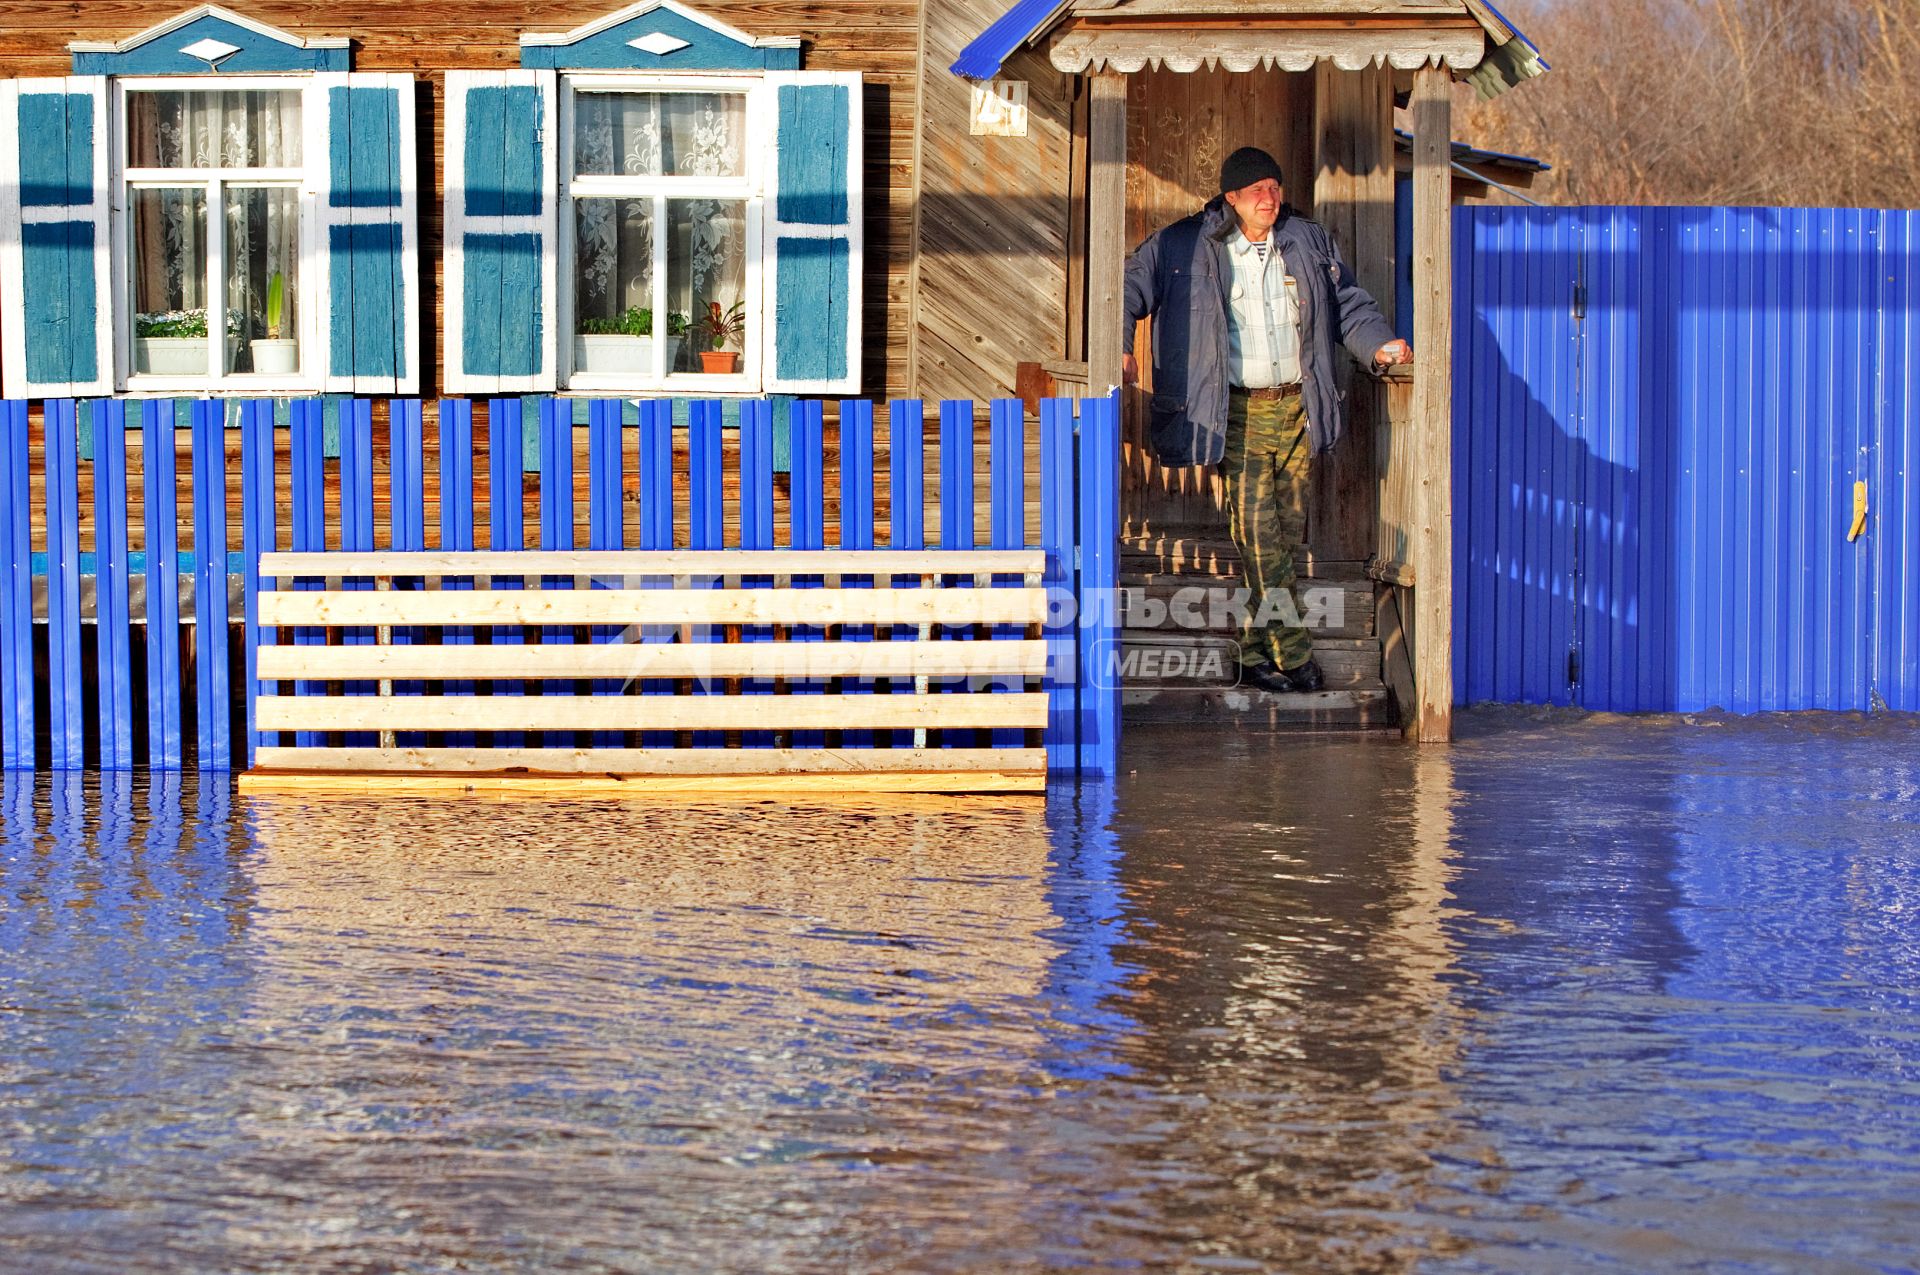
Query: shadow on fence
131, 578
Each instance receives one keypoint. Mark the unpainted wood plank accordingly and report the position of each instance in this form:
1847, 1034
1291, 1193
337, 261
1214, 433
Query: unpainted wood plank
1106, 227
651, 787
657, 606
644, 563
652, 761
646, 660
1432, 110
651, 712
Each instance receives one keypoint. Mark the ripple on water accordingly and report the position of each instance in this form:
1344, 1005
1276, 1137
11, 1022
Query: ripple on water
1573, 994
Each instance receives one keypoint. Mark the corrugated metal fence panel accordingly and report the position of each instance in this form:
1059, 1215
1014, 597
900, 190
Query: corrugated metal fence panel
1895, 519
1515, 415
1662, 414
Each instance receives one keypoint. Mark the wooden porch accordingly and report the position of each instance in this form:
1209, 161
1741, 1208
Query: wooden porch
1157, 93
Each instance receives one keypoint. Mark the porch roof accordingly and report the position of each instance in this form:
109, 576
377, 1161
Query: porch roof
1492, 59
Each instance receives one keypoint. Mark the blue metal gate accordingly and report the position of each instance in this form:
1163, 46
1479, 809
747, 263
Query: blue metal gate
1661, 418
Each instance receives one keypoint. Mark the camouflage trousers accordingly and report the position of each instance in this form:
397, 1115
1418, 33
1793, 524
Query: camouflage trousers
1267, 464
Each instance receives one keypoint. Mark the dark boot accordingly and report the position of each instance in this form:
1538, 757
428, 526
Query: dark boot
1306, 679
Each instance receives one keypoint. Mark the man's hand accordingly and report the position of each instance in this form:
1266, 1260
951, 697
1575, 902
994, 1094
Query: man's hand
1391, 353
1129, 369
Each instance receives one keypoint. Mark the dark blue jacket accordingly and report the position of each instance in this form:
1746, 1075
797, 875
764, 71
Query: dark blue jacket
1181, 276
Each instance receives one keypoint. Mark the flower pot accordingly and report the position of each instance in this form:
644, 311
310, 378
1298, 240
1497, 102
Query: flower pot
276, 356
621, 355
170, 355
718, 362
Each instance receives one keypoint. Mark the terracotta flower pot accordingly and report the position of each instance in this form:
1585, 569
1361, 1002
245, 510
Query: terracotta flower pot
719, 362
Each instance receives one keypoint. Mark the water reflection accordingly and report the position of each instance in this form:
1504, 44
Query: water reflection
1566, 996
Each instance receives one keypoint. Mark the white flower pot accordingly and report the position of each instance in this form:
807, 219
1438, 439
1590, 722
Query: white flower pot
620, 355
276, 356
170, 355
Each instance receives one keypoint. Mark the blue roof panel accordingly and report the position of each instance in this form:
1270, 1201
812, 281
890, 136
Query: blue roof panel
984, 55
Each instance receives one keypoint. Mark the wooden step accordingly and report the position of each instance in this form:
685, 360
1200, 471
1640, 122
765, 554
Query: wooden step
1208, 552
1355, 708
1147, 602
1156, 657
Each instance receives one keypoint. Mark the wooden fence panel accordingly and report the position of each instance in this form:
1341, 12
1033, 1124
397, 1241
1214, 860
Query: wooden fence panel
756, 529
906, 481
160, 483
213, 744
371, 597
114, 664
706, 518
407, 522
506, 516
309, 517
856, 527
17, 691
64, 676
655, 469
258, 528
456, 522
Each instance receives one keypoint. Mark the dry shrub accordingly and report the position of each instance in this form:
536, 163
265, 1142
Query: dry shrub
1787, 102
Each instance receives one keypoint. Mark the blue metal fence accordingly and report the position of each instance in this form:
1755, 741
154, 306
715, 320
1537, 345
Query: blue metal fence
89, 721
1660, 418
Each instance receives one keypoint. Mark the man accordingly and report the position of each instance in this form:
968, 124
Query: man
1248, 299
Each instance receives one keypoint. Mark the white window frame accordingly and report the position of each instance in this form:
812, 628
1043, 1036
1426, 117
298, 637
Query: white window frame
751, 187
310, 298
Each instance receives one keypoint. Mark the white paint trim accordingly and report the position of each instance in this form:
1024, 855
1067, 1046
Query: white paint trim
749, 187
310, 293
853, 230
412, 314
193, 15
453, 229
13, 217
316, 155
550, 39
105, 135
13, 325
456, 225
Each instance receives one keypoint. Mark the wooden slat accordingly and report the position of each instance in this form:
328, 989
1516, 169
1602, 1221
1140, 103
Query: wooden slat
642, 659
640, 563
654, 761
1106, 222
649, 712
838, 785
660, 606
1432, 441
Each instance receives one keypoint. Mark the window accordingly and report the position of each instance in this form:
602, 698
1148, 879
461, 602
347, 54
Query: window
598, 224
661, 223
166, 230
216, 225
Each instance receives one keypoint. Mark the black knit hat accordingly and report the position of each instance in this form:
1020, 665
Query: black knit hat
1246, 166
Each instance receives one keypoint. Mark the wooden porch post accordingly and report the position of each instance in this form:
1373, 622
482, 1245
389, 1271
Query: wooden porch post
1106, 228
1433, 401
1353, 199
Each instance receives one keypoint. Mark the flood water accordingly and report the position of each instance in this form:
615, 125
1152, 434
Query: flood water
1572, 995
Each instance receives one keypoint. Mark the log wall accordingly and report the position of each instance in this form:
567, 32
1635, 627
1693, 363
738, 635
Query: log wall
874, 37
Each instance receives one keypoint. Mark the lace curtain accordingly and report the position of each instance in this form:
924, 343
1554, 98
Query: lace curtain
231, 129
648, 135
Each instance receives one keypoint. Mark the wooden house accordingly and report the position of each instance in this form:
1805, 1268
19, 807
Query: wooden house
873, 199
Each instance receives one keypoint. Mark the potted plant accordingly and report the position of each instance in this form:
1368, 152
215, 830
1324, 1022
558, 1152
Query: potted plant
174, 342
624, 343
272, 354
717, 328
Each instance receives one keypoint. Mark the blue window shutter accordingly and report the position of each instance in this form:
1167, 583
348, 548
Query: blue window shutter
369, 213
813, 234
56, 317
500, 228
